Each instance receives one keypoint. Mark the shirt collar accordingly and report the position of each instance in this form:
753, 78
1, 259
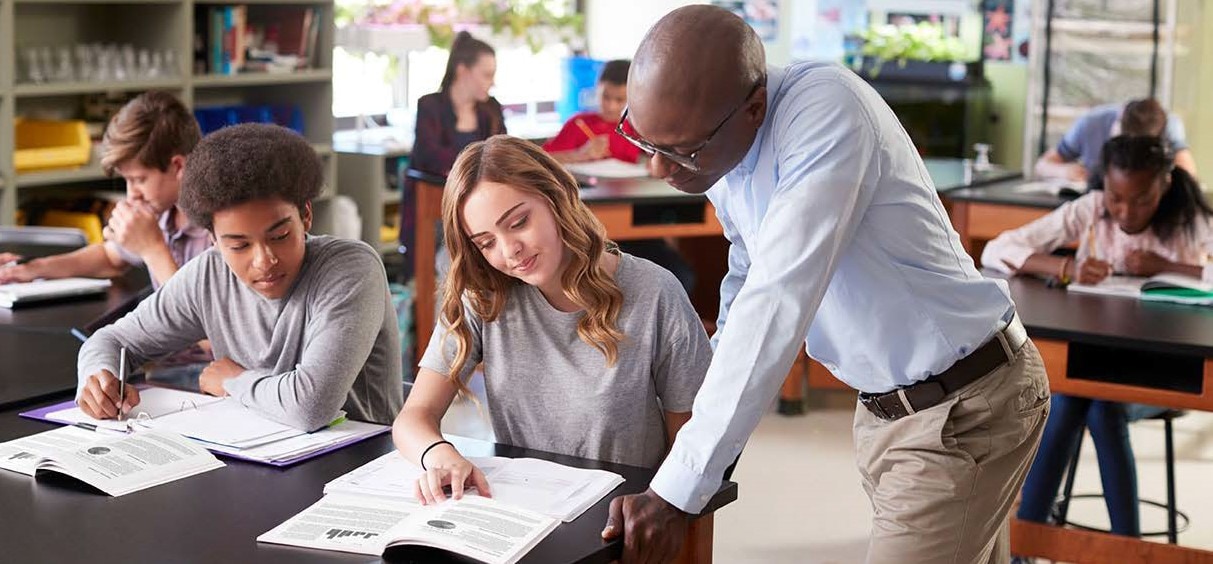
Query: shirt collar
774, 82
188, 230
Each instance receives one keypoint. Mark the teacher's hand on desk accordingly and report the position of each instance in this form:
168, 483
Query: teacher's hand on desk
212, 377
99, 399
445, 466
652, 528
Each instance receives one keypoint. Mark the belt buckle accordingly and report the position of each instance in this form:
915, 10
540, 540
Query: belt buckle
874, 406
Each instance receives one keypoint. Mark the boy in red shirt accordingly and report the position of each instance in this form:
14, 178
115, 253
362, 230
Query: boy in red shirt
590, 136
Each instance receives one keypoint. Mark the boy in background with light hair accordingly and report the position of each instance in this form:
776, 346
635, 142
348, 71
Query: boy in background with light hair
146, 143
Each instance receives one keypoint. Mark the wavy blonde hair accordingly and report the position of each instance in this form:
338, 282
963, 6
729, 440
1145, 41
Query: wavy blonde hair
525, 167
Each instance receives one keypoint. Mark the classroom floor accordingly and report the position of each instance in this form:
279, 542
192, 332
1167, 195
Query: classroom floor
800, 499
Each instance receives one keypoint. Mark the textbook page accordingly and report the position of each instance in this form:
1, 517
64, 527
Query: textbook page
392, 475
1122, 286
121, 465
21, 455
345, 523
477, 527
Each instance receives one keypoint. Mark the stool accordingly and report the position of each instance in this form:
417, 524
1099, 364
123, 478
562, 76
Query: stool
1173, 514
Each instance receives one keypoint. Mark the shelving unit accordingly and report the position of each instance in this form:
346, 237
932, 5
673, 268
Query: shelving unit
154, 24
1087, 52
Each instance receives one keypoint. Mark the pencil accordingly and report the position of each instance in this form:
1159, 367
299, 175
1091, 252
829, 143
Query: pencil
589, 133
1091, 243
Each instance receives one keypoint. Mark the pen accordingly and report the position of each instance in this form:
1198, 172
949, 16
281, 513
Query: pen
589, 133
121, 380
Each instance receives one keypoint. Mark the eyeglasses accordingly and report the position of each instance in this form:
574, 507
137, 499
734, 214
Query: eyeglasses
689, 161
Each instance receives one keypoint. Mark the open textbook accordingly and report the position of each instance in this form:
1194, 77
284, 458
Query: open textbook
222, 425
476, 527
20, 293
608, 168
558, 491
1160, 288
116, 464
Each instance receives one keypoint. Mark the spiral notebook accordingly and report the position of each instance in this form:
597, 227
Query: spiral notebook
221, 425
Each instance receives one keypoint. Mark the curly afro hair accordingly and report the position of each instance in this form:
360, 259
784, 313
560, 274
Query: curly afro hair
248, 162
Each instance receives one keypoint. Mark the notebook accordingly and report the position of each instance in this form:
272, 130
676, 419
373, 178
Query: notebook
22, 293
1174, 288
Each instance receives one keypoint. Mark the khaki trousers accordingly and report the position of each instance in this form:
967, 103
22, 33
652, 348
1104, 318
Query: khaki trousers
942, 481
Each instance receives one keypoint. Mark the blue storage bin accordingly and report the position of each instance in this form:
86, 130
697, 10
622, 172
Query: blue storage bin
217, 117
580, 80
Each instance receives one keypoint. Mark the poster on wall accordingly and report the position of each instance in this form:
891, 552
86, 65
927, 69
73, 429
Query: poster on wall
828, 32
762, 15
997, 18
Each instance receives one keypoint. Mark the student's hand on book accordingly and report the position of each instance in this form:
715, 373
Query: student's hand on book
446, 467
99, 399
10, 273
1093, 271
135, 227
212, 377
1145, 263
652, 528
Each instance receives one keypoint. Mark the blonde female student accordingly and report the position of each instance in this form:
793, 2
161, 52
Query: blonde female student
587, 351
1149, 217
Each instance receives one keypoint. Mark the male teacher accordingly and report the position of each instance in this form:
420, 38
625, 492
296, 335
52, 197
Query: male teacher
837, 240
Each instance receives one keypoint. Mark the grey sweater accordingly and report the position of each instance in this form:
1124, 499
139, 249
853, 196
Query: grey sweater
330, 344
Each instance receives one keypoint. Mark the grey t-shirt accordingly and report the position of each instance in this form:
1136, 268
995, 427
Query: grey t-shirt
1085, 140
549, 390
329, 344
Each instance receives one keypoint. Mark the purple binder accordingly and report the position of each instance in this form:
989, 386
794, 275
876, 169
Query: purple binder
41, 413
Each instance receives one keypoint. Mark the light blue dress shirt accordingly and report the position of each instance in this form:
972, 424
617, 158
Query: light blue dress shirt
840, 241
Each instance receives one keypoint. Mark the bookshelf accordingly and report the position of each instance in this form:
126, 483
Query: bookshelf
161, 26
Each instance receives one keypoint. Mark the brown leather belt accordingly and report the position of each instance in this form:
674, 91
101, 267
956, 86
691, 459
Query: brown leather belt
911, 399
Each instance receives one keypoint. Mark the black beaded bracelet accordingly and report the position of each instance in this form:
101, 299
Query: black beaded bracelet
427, 450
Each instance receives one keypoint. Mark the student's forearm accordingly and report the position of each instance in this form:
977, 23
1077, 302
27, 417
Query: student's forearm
91, 261
1185, 269
673, 422
573, 156
414, 430
1065, 171
1042, 264
160, 264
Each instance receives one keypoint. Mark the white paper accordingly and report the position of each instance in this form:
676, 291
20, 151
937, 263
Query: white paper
608, 168
1121, 286
226, 423
345, 523
552, 489
473, 526
118, 465
22, 455
18, 292
153, 402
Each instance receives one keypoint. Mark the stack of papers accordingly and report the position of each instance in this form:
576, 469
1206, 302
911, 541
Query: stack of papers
224, 426
42, 290
551, 489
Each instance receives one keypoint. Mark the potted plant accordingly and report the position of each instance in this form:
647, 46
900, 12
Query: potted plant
914, 52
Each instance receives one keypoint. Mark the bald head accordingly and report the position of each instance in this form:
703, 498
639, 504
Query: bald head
693, 56
696, 87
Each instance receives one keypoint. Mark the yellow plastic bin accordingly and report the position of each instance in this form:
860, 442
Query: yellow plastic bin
51, 144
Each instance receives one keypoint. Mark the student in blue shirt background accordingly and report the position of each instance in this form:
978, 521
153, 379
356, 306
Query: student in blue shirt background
1076, 156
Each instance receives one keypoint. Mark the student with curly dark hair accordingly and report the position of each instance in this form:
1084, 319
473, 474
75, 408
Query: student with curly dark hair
1148, 217
298, 323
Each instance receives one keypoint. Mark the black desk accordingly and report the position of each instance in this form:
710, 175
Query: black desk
1115, 349
953, 174
64, 315
215, 517
980, 214
35, 365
